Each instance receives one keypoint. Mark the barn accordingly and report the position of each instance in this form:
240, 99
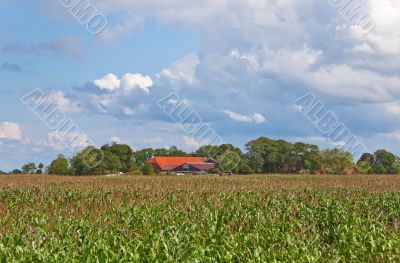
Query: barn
181, 164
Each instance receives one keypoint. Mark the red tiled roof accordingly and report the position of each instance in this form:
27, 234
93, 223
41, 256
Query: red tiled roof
169, 163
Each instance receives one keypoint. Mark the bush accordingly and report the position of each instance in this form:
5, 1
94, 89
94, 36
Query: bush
147, 169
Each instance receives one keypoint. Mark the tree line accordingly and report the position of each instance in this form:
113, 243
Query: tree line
262, 155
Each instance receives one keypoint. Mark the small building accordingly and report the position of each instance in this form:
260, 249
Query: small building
182, 164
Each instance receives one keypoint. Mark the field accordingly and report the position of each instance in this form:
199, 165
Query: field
200, 219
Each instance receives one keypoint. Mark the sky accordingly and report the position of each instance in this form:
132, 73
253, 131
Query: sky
238, 66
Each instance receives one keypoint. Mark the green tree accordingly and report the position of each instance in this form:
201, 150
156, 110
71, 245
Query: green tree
59, 166
147, 169
29, 168
366, 163
110, 164
142, 156
396, 168
368, 157
255, 156
335, 161
364, 167
39, 169
384, 162
125, 155
88, 162
174, 151
380, 169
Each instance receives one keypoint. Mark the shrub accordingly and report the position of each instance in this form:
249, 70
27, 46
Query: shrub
147, 169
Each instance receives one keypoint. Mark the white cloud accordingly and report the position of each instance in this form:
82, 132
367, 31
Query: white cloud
10, 131
120, 30
115, 139
182, 71
191, 142
108, 82
131, 82
72, 140
256, 117
63, 103
119, 90
128, 111
386, 37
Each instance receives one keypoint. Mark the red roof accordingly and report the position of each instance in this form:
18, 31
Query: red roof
170, 163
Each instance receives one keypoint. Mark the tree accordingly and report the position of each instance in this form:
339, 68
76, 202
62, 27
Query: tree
174, 151
87, 162
110, 164
385, 162
16, 171
29, 168
305, 157
255, 156
125, 155
142, 156
368, 157
228, 157
59, 166
396, 168
336, 161
39, 169
364, 167
147, 169
366, 163
1, 172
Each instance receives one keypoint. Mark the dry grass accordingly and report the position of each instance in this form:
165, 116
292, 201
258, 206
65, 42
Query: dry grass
373, 183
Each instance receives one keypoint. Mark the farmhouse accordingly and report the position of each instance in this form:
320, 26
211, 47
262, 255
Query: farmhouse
181, 164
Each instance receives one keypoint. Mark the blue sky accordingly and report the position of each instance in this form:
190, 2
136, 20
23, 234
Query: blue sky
239, 65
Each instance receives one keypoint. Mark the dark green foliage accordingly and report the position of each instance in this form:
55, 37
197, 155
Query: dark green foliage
336, 161
147, 169
385, 161
40, 168
29, 168
88, 162
59, 166
121, 151
265, 155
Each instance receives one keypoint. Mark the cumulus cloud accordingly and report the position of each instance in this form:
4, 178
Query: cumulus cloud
385, 39
256, 117
10, 131
108, 82
182, 71
259, 56
63, 103
128, 83
131, 82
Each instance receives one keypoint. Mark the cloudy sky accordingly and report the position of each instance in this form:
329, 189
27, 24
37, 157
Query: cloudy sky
239, 65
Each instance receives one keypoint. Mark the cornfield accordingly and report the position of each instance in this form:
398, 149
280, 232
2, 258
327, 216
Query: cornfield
200, 219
